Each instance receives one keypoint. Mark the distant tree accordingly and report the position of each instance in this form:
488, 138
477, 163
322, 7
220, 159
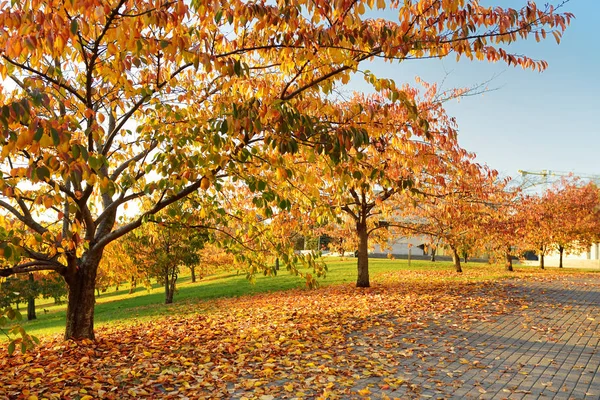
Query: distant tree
565, 218
503, 226
162, 247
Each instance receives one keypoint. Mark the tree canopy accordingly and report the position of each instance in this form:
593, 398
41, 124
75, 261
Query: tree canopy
114, 102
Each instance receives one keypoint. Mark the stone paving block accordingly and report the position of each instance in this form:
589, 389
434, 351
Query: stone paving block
549, 350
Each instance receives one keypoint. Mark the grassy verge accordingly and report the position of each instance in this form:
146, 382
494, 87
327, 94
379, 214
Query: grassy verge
121, 307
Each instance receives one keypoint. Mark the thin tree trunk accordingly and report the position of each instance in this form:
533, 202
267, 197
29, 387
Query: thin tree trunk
363, 255
277, 264
167, 287
433, 254
170, 280
193, 269
508, 264
456, 259
81, 300
561, 250
31, 300
541, 257
132, 285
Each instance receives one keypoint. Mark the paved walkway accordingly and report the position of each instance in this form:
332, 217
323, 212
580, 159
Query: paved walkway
549, 349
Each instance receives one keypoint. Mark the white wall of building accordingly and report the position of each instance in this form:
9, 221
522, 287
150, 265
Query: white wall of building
586, 259
401, 245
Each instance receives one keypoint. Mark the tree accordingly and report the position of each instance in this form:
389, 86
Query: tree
398, 152
453, 210
503, 226
537, 216
579, 224
162, 248
566, 217
17, 290
117, 267
52, 285
115, 102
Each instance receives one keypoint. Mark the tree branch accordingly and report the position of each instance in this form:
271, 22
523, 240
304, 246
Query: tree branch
26, 219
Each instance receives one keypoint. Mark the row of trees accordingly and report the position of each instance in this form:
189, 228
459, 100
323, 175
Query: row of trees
234, 106
507, 224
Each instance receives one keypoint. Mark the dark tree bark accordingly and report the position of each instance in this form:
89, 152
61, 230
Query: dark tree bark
81, 281
363, 255
541, 257
456, 259
132, 285
433, 254
31, 300
277, 264
193, 270
170, 279
561, 250
508, 264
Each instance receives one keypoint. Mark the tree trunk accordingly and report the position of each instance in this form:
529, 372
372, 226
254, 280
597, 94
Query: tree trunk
81, 300
456, 259
132, 285
170, 278
168, 298
433, 254
542, 258
561, 250
193, 270
508, 264
277, 264
31, 300
363, 255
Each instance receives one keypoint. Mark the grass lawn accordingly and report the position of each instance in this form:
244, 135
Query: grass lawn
120, 307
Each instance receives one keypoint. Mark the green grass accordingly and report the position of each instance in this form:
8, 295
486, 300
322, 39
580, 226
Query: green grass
120, 307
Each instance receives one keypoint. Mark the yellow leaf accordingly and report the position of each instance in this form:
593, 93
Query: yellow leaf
46, 141
48, 201
204, 183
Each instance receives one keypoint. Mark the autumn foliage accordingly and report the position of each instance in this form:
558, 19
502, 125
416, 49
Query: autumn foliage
140, 104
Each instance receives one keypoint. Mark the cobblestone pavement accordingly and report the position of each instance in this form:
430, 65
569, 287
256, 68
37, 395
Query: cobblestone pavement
548, 349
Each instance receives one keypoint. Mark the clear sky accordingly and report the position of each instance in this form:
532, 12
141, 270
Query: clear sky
533, 121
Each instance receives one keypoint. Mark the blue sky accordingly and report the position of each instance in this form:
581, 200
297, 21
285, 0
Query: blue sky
533, 121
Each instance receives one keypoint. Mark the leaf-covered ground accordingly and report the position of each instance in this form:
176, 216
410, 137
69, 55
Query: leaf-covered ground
334, 342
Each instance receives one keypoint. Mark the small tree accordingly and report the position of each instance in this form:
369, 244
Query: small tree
162, 248
52, 286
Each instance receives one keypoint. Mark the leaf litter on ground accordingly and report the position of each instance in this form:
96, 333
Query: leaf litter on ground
333, 342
